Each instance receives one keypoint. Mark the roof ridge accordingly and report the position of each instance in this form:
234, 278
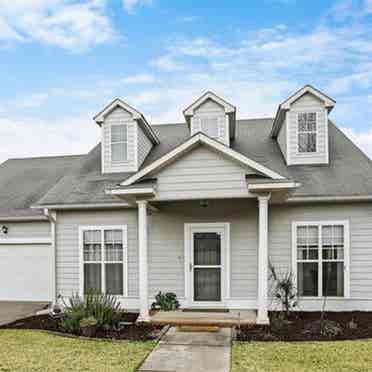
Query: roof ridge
241, 119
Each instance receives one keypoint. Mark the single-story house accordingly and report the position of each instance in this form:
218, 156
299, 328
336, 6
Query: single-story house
198, 208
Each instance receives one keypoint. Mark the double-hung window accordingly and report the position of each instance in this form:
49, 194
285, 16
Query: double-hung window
119, 143
306, 132
320, 258
104, 259
209, 126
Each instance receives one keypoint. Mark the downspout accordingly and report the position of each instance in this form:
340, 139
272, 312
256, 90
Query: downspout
52, 217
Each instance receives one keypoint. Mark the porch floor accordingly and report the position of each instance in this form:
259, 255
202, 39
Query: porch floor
228, 319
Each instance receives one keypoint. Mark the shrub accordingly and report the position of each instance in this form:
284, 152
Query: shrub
284, 290
74, 311
165, 301
279, 323
104, 308
329, 328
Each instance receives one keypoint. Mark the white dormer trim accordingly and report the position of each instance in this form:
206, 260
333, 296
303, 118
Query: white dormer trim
100, 117
136, 115
229, 108
201, 138
328, 102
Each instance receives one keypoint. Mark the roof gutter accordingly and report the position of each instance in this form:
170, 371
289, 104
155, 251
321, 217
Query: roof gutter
82, 206
328, 199
273, 186
22, 218
129, 192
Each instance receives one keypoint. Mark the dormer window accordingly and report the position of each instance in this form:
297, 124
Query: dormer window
212, 116
307, 132
119, 143
209, 126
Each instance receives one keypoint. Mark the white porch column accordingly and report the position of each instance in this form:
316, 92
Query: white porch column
143, 252
263, 259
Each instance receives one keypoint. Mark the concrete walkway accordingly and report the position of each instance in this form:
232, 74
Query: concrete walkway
11, 311
180, 351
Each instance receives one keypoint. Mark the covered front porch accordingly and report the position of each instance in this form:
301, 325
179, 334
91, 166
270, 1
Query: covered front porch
212, 253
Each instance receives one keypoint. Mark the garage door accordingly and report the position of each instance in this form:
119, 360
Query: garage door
25, 272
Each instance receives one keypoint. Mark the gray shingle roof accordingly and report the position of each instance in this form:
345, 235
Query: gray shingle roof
349, 172
24, 181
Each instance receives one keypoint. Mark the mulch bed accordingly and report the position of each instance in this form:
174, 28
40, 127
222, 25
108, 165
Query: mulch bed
304, 326
133, 332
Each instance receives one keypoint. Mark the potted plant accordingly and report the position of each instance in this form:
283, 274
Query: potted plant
88, 327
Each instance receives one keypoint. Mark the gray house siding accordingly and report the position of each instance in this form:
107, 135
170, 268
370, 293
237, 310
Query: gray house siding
144, 146
360, 219
282, 140
166, 245
67, 238
202, 173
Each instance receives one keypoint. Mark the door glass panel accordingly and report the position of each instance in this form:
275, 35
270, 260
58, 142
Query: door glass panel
207, 249
207, 284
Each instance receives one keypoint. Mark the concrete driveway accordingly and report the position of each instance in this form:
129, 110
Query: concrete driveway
14, 310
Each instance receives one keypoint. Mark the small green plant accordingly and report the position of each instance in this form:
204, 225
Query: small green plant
329, 328
104, 308
279, 323
74, 311
284, 290
165, 301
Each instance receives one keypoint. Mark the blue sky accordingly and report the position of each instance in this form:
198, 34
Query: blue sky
63, 60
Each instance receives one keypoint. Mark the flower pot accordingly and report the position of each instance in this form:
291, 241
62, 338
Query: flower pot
89, 331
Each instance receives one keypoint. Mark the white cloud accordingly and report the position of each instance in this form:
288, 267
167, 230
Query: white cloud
168, 63
68, 24
22, 137
138, 79
131, 5
362, 139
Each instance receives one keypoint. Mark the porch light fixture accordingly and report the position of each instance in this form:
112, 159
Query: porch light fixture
204, 203
4, 229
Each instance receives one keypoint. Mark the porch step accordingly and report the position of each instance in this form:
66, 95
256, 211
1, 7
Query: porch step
208, 319
197, 310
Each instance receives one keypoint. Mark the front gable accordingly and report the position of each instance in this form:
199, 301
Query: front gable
202, 173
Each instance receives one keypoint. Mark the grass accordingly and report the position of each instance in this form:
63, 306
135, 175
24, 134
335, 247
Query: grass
338, 356
23, 350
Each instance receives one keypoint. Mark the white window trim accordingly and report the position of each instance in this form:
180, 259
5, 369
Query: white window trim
308, 154
102, 228
112, 162
319, 224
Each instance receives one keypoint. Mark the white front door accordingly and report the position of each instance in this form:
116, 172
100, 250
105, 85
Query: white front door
207, 264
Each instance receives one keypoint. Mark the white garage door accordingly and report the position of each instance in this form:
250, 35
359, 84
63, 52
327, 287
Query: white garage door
25, 272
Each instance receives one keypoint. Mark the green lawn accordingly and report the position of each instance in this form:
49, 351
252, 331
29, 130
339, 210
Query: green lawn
351, 356
37, 351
